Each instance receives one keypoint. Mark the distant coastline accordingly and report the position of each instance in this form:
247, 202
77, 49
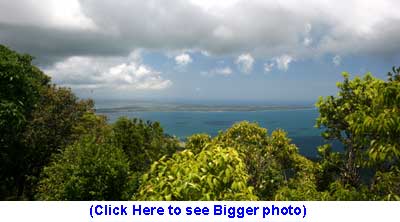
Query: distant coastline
171, 107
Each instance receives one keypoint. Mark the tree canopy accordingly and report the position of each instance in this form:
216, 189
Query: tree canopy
365, 117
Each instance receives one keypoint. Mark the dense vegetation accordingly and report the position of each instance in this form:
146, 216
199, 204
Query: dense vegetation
54, 147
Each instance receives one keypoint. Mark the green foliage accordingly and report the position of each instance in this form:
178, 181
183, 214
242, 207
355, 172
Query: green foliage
346, 192
329, 167
91, 124
280, 147
243, 134
87, 170
143, 142
300, 190
21, 84
251, 140
51, 129
394, 75
271, 160
197, 142
54, 120
386, 185
36, 120
215, 173
365, 117
302, 185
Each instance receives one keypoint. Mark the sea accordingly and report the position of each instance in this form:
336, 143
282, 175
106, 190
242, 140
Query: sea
182, 120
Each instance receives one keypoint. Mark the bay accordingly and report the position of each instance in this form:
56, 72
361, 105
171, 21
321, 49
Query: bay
297, 122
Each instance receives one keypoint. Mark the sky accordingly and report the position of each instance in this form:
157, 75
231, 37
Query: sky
202, 50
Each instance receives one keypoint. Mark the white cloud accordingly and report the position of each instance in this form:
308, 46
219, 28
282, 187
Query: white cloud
223, 71
337, 60
111, 73
268, 66
223, 33
307, 41
284, 61
245, 63
205, 53
214, 5
183, 59
66, 14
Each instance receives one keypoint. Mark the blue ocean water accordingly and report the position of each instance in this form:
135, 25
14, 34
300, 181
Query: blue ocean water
299, 123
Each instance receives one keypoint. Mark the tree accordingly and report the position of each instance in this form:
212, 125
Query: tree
215, 173
337, 116
37, 119
143, 142
365, 118
251, 141
21, 84
90, 169
270, 160
51, 128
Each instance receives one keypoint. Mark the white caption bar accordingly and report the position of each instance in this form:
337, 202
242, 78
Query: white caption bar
183, 211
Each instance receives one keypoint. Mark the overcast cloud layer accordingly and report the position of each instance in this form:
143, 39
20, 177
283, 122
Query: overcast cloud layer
267, 28
72, 34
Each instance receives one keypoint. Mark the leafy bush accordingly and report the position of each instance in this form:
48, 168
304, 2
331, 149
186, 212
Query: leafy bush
270, 159
87, 170
215, 173
197, 142
143, 142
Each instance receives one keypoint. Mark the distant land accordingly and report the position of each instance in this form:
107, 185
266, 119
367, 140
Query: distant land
147, 106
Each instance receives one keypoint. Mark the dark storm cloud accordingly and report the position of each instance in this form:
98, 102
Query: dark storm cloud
49, 44
263, 28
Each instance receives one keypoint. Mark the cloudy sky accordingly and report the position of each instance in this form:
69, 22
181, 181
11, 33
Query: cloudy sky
245, 50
